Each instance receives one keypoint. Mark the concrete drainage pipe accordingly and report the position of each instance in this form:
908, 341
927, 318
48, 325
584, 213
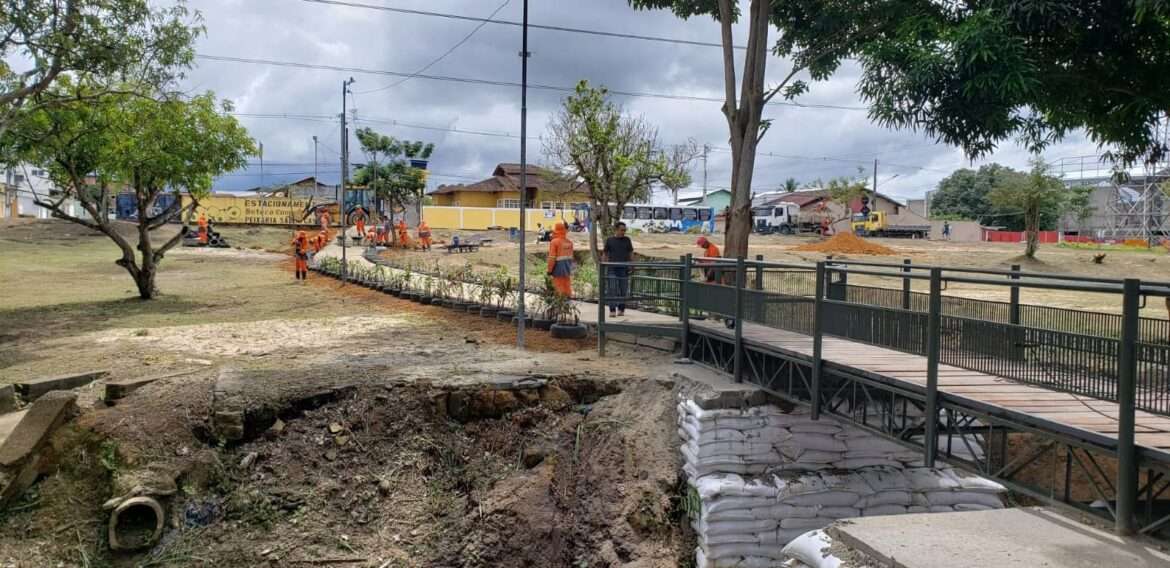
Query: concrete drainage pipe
135, 524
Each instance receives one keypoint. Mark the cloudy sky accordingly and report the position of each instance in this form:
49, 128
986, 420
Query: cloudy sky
804, 143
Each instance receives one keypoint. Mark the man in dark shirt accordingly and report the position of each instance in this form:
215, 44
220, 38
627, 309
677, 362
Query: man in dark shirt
618, 248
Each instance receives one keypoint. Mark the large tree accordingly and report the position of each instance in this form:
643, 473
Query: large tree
1030, 196
964, 195
615, 154
105, 44
977, 72
97, 144
815, 36
389, 171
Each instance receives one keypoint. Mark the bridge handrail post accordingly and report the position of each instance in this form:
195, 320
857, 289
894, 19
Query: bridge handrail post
684, 308
818, 336
933, 348
759, 284
1014, 305
1127, 465
740, 278
906, 285
601, 278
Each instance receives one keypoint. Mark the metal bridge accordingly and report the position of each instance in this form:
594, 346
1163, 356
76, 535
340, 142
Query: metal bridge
1065, 406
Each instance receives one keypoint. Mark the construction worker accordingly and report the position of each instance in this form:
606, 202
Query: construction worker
301, 253
424, 235
202, 228
560, 260
324, 219
359, 220
403, 234
319, 241
709, 251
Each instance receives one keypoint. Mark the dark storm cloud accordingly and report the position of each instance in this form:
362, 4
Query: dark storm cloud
307, 32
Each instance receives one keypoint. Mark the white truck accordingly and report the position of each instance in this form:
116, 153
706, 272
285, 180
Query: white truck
783, 218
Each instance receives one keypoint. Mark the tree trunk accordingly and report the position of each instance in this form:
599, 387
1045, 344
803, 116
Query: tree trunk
144, 279
1032, 227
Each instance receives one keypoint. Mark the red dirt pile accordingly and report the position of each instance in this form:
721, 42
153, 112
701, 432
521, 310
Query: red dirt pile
846, 243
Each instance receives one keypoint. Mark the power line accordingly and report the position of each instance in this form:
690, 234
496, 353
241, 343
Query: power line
834, 159
444, 55
488, 20
496, 83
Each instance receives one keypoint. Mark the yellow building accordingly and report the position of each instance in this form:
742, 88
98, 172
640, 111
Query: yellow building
502, 191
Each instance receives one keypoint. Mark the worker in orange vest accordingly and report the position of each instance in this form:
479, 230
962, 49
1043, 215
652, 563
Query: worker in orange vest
202, 221
709, 251
403, 234
301, 253
359, 216
319, 241
424, 235
560, 260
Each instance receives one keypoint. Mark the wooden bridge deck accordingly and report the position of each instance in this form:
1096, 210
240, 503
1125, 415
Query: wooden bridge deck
1042, 405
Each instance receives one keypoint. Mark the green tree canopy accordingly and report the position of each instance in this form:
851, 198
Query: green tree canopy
104, 44
96, 144
1032, 195
389, 172
977, 72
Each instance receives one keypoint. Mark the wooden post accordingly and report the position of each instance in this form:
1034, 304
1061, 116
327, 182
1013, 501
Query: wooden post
933, 348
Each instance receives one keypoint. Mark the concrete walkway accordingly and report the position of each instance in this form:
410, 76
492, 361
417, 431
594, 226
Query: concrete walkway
1025, 538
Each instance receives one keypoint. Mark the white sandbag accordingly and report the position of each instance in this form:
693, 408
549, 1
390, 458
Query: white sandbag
693, 470
973, 483
882, 480
728, 423
772, 435
725, 551
956, 497
715, 528
901, 498
741, 448
730, 515
780, 512
691, 457
815, 441
860, 463
839, 512
766, 411
730, 484
730, 538
806, 524
803, 467
941, 509
815, 427
919, 500
861, 441
925, 479
797, 454
881, 510
813, 550
916, 509
729, 503
825, 499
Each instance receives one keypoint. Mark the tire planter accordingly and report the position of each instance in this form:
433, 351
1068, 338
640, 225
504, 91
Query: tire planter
505, 315
542, 324
488, 312
568, 331
473, 308
408, 296
457, 305
426, 300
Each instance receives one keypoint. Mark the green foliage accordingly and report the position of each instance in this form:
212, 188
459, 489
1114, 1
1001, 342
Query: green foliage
790, 185
101, 43
977, 73
1031, 195
676, 173
967, 194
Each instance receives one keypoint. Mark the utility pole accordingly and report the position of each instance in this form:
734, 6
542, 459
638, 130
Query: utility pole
521, 319
315, 180
706, 149
261, 165
875, 177
344, 179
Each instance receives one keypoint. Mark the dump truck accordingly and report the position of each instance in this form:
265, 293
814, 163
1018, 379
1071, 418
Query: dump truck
783, 218
878, 224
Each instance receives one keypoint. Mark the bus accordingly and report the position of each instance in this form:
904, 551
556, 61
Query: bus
669, 218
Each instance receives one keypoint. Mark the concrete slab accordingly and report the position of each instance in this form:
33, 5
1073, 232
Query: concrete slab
35, 427
115, 390
36, 388
1026, 537
7, 399
712, 390
8, 423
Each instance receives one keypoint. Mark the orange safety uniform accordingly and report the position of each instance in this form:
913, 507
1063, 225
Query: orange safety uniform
301, 252
424, 235
319, 241
202, 228
324, 220
709, 251
403, 234
560, 260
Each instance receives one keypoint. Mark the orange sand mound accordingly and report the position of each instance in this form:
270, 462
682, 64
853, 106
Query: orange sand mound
846, 243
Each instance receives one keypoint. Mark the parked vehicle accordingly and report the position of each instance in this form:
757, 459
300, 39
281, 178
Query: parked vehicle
783, 218
878, 224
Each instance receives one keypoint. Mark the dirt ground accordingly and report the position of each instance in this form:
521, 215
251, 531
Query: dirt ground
455, 492
1152, 265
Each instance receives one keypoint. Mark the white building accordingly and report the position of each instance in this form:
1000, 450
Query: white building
22, 185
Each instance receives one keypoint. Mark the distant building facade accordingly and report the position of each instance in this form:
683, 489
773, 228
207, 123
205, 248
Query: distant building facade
502, 190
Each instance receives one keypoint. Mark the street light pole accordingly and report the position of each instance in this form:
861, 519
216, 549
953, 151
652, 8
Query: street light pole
344, 178
521, 319
315, 180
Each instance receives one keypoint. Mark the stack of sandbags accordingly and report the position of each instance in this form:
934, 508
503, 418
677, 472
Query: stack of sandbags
765, 438
764, 477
